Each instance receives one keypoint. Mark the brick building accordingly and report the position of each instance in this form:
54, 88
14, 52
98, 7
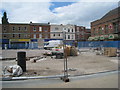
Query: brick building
81, 33
40, 30
108, 27
19, 35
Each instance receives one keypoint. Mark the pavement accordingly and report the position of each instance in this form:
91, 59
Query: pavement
100, 80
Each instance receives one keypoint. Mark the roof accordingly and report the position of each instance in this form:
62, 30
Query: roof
19, 23
39, 23
112, 12
115, 11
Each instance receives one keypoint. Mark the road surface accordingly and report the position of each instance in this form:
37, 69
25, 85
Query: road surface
101, 80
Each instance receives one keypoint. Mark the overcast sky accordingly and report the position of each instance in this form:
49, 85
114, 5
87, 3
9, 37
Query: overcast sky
78, 12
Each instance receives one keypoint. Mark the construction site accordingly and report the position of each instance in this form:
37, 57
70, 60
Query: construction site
79, 61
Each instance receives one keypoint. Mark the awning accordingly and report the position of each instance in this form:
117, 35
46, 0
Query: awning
102, 37
113, 36
90, 38
96, 38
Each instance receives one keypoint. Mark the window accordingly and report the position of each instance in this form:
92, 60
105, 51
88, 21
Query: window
106, 29
68, 30
82, 32
19, 28
56, 28
54, 35
25, 35
40, 35
45, 28
40, 28
46, 36
58, 34
34, 36
25, 28
13, 35
13, 29
4, 29
72, 30
100, 31
19, 35
72, 36
4, 36
115, 26
68, 36
34, 28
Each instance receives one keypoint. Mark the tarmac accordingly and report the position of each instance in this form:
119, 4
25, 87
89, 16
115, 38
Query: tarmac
101, 80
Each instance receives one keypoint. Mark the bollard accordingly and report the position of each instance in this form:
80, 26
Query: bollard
21, 60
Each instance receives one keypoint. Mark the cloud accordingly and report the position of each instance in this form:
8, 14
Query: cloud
79, 13
83, 13
26, 12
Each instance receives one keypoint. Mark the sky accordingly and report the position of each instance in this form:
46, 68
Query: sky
77, 12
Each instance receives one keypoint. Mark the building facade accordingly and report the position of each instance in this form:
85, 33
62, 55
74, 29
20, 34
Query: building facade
69, 32
56, 31
79, 33
108, 27
38, 33
19, 35
40, 30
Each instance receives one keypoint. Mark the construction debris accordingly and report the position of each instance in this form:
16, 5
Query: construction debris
11, 71
111, 52
73, 51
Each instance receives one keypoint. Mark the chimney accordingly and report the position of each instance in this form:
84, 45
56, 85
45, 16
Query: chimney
48, 22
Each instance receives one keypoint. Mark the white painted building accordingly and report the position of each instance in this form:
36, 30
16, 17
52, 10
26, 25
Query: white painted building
56, 31
69, 31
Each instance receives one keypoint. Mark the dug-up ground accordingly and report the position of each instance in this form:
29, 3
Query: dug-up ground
85, 63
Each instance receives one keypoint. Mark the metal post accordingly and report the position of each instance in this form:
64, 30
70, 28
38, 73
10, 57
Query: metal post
65, 78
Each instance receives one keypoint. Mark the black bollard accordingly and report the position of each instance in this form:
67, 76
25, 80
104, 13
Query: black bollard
21, 60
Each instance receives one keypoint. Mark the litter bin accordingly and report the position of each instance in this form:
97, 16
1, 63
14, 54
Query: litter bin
21, 60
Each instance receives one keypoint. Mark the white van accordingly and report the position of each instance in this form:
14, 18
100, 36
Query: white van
52, 44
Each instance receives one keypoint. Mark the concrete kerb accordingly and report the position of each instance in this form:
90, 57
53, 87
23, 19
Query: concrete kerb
53, 76
26, 78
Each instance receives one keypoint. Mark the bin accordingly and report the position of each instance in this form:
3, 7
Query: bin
21, 60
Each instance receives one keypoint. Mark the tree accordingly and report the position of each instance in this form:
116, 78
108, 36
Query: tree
4, 18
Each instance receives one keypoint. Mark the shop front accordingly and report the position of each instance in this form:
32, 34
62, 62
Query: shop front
19, 43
